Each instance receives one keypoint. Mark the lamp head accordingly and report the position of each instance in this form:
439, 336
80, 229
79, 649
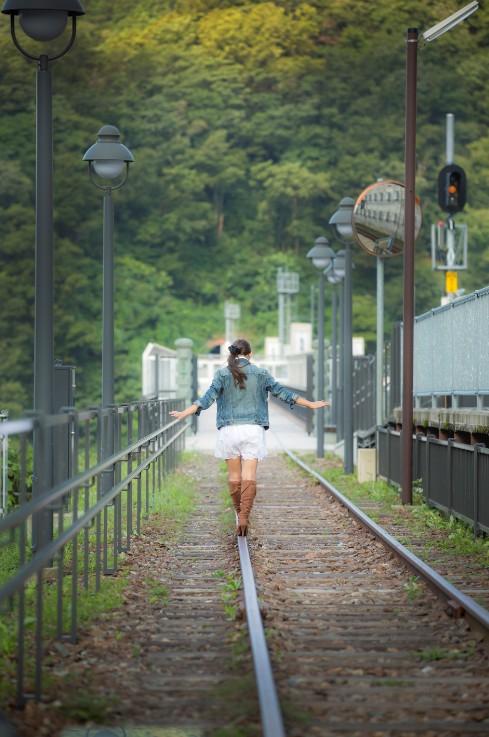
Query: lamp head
321, 254
341, 220
448, 23
43, 20
108, 155
339, 269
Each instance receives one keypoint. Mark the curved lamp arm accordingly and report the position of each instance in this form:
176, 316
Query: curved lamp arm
42, 56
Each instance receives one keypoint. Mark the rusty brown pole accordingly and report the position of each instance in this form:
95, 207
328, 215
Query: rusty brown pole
409, 233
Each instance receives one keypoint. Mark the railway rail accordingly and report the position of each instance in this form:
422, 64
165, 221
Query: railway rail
358, 645
351, 642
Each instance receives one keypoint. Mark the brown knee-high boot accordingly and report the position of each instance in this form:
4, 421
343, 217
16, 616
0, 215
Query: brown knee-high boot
235, 491
248, 493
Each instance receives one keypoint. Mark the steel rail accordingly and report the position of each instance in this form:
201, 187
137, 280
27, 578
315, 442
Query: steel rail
271, 715
440, 585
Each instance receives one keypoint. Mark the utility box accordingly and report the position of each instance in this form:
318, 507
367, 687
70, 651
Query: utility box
63, 396
366, 464
63, 386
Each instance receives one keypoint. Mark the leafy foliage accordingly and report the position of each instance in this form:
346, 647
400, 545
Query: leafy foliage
248, 121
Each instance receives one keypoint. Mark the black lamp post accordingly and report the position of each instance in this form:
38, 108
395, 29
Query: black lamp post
334, 279
341, 223
108, 168
321, 255
413, 42
43, 20
335, 276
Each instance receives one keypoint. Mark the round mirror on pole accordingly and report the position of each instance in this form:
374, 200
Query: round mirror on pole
378, 219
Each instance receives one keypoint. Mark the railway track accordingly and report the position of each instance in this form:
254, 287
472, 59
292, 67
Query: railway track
360, 643
354, 642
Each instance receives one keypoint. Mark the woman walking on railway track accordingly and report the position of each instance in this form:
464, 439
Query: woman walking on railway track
241, 390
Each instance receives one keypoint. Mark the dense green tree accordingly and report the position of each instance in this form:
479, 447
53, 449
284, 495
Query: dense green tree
249, 121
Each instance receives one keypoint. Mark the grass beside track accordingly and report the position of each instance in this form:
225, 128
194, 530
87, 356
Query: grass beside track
382, 502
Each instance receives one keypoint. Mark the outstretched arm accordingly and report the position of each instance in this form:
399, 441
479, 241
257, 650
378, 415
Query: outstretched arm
204, 402
185, 413
312, 405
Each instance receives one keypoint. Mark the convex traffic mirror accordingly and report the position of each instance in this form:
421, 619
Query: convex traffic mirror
378, 219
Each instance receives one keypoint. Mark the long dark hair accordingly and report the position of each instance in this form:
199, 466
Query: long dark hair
240, 347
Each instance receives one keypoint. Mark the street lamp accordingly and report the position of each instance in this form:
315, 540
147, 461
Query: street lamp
413, 41
334, 278
321, 256
108, 159
43, 21
341, 222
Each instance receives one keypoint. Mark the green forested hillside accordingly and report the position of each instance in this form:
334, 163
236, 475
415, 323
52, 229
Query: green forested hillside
248, 121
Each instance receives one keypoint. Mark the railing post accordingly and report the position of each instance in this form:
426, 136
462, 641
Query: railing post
195, 389
477, 447
184, 369
450, 475
388, 443
427, 471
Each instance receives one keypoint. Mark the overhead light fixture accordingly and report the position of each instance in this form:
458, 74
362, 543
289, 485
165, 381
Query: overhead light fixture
448, 23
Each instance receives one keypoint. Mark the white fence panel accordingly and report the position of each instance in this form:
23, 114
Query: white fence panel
159, 372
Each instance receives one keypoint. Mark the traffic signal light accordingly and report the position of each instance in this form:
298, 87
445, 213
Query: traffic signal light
452, 188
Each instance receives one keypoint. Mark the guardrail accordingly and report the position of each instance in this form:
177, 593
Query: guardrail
455, 475
450, 347
95, 521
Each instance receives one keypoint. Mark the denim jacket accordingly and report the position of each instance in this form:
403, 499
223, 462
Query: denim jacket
247, 406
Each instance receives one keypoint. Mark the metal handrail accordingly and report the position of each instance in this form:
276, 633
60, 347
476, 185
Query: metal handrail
22, 513
157, 446
43, 556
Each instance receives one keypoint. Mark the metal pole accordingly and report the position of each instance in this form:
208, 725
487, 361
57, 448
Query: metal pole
409, 228
334, 358
348, 366
43, 320
228, 330
341, 373
281, 322
108, 330
288, 317
379, 364
450, 156
312, 310
4, 475
320, 381
450, 138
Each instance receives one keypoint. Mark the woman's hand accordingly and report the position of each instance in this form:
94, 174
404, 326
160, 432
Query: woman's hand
312, 405
185, 413
318, 404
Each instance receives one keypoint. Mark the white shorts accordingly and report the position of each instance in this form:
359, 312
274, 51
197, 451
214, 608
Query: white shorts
245, 441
